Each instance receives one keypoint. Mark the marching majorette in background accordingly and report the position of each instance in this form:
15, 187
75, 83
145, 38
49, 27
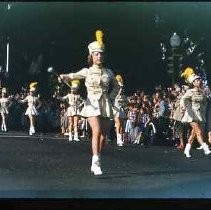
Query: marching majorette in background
177, 115
98, 105
34, 104
193, 104
75, 102
119, 110
4, 109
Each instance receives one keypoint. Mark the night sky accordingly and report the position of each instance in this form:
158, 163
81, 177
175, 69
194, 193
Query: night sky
60, 32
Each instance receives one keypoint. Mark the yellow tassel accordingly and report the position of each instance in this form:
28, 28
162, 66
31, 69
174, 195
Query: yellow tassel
99, 37
187, 72
119, 78
75, 82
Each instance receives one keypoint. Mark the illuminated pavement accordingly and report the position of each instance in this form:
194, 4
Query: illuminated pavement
49, 167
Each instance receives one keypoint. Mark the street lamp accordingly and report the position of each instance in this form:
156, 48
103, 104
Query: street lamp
4, 72
175, 42
182, 53
8, 43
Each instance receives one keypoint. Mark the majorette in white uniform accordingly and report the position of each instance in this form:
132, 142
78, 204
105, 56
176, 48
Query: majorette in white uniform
4, 109
193, 102
75, 102
4, 102
97, 81
119, 110
33, 101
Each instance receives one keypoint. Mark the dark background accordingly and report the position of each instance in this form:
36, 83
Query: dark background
59, 33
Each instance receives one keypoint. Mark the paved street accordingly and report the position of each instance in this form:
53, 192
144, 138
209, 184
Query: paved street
48, 166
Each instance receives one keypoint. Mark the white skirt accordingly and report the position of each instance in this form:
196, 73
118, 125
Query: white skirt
97, 107
193, 115
71, 111
31, 111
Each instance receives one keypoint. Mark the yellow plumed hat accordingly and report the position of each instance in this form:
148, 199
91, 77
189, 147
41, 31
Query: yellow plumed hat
119, 79
32, 86
75, 84
98, 45
189, 75
187, 72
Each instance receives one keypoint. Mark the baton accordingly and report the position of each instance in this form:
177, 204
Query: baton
52, 71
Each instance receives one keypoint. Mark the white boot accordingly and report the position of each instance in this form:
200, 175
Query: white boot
75, 138
2, 127
119, 140
200, 147
30, 131
187, 150
206, 149
96, 165
70, 136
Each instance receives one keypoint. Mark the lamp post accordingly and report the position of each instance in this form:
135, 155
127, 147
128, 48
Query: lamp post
181, 54
8, 44
4, 72
175, 42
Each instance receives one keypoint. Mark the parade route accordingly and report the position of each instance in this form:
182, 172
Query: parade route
52, 167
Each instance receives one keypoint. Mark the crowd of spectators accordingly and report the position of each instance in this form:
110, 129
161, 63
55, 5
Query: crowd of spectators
149, 116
